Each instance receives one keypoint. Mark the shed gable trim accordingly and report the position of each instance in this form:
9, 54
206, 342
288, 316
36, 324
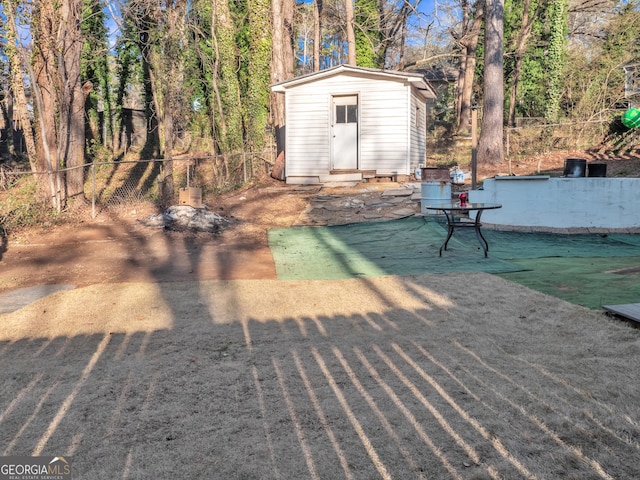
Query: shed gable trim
415, 79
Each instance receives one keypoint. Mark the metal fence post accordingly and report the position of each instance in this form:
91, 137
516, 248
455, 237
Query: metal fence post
93, 190
244, 166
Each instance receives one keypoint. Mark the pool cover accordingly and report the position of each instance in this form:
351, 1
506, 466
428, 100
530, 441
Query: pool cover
587, 269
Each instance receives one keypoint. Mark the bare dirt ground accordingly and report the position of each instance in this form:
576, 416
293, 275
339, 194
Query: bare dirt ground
239, 376
117, 247
413, 377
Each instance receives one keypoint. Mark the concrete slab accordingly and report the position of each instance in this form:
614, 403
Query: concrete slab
627, 310
341, 184
16, 299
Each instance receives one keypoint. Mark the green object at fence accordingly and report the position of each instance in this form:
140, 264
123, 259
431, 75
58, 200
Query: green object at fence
631, 118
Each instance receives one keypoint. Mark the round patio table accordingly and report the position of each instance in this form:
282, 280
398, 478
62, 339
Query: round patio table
454, 210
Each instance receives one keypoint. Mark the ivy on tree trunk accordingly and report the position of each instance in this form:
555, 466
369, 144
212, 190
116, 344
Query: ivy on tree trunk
556, 57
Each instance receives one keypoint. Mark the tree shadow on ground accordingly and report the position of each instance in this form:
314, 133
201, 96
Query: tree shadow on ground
387, 377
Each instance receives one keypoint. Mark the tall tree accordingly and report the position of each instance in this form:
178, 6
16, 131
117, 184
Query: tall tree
282, 69
131, 72
351, 35
170, 63
257, 97
472, 18
368, 34
45, 88
57, 36
95, 69
226, 85
160, 30
73, 95
317, 33
557, 56
490, 143
523, 15
394, 20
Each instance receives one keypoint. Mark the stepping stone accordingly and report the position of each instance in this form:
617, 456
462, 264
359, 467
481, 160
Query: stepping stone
404, 212
397, 192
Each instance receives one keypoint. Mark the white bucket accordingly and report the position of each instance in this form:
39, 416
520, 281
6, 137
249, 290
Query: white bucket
457, 176
434, 193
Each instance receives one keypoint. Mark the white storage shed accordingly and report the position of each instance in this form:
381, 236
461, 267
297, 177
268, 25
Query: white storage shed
347, 123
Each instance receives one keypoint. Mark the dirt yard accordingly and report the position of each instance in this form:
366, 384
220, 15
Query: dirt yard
230, 374
117, 247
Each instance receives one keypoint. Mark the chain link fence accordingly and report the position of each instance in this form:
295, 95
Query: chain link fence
532, 137
109, 186
113, 184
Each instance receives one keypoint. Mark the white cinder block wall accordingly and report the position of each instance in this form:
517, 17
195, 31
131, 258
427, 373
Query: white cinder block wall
542, 201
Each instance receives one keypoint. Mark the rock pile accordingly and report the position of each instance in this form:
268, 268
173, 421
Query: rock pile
185, 218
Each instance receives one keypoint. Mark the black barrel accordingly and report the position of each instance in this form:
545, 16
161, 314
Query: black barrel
575, 167
597, 170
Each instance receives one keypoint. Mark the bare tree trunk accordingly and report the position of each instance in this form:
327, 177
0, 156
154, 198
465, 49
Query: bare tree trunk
170, 66
403, 42
44, 76
157, 99
72, 100
59, 92
45, 80
351, 36
281, 69
167, 165
152, 112
219, 125
317, 33
459, 89
51, 168
490, 144
469, 42
393, 33
11, 131
513, 94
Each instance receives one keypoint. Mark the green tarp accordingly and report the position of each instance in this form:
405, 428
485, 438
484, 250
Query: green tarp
588, 269
399, 247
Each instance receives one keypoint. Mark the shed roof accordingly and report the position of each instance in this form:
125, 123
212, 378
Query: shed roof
418, 80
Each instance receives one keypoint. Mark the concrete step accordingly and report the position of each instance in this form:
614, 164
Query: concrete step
341, 177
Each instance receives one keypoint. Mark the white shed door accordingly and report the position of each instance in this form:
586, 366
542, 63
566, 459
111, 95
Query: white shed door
344, 138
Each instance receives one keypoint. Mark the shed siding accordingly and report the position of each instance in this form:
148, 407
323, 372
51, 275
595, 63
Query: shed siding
390, 140
418, 140
384, 128
307, 147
